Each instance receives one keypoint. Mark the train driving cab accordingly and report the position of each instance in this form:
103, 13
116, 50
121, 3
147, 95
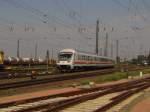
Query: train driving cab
65, 59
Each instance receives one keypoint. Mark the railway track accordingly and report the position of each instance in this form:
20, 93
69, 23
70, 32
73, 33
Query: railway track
14, 74
97, 99
56, 78
22, 74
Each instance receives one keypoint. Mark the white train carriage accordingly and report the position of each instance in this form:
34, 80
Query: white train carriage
70, 59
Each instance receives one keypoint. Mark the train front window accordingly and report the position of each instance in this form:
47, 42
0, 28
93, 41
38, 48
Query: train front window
65, 57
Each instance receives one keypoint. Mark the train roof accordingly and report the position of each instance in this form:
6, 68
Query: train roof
68, 50
83, 53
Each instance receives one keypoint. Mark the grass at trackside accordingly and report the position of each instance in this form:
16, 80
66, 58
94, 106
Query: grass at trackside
146, 71
121, 75
106, 78
116, 76
113, 77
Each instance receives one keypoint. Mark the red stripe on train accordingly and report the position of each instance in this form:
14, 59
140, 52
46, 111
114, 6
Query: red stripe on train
89, 62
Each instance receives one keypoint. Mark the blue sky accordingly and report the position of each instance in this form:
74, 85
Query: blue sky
54, 25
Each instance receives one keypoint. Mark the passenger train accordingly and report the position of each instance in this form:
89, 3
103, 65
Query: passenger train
70, 59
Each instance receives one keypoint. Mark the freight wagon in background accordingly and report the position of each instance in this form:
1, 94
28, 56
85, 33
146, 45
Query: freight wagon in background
14, 61
70, 59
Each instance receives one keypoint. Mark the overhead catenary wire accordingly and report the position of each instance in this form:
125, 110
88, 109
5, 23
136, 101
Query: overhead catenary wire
41, 15
72, 13
35, 11
120, 4
69, 12
45, 18
33, 14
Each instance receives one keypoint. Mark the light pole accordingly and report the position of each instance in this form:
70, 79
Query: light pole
18, 48
117, 49
117, 52
97, 35
47, 60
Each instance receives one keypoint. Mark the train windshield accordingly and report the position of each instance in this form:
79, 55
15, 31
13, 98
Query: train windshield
65, 56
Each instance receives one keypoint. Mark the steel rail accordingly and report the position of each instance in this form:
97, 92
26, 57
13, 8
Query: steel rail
121, 98
69, 102
96, 95
55, 79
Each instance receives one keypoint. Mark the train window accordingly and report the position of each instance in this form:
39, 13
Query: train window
76, 57
88, 58
83, 57
106, 60
79, 57
99, 59
65, 57
92, 58
95, 58
102, 59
